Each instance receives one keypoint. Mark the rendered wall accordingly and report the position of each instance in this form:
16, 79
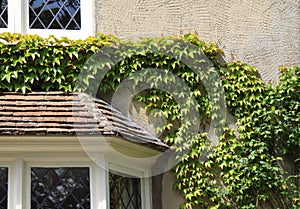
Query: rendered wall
263, 33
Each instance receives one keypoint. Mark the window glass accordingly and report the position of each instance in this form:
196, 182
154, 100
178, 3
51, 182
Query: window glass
125, 191
3, 187
54, 14
60, 188
3, 14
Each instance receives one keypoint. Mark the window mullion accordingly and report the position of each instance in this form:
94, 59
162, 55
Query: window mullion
146, 193
99, 190
19, 15
16, 185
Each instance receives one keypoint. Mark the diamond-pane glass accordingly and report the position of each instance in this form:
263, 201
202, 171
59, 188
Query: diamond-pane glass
3, 14
54, 14
3, 187
125, 192
60, 188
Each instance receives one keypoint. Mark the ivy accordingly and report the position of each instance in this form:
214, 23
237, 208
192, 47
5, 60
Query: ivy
189, 85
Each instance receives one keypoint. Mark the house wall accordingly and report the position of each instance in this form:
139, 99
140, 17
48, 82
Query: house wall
263, 33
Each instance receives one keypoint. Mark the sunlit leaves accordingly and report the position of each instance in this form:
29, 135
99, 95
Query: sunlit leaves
30, 62
243, 170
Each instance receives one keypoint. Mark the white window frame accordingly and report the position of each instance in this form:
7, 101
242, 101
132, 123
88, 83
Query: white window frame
18, 21
19, 176
29, 165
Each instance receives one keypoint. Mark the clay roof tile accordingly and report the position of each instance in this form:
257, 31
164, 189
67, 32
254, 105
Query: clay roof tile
59, 113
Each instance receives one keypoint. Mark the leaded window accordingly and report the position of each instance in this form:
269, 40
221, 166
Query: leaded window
125, 191
3, 187
60, 188
54, 14
3, 14
48, 17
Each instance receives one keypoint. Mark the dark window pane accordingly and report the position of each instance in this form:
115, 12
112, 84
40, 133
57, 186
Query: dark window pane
3, 187
3, 14
60, 188
125, 192
54, 14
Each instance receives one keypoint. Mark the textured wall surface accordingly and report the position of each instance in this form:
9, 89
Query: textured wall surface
263, 33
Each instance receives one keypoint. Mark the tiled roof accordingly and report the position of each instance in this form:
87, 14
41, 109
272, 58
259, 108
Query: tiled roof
58, 113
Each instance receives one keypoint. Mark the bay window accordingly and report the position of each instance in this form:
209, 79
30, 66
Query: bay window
50, 159
70, 181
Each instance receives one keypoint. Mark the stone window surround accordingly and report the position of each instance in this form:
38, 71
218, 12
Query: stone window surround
18, 21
